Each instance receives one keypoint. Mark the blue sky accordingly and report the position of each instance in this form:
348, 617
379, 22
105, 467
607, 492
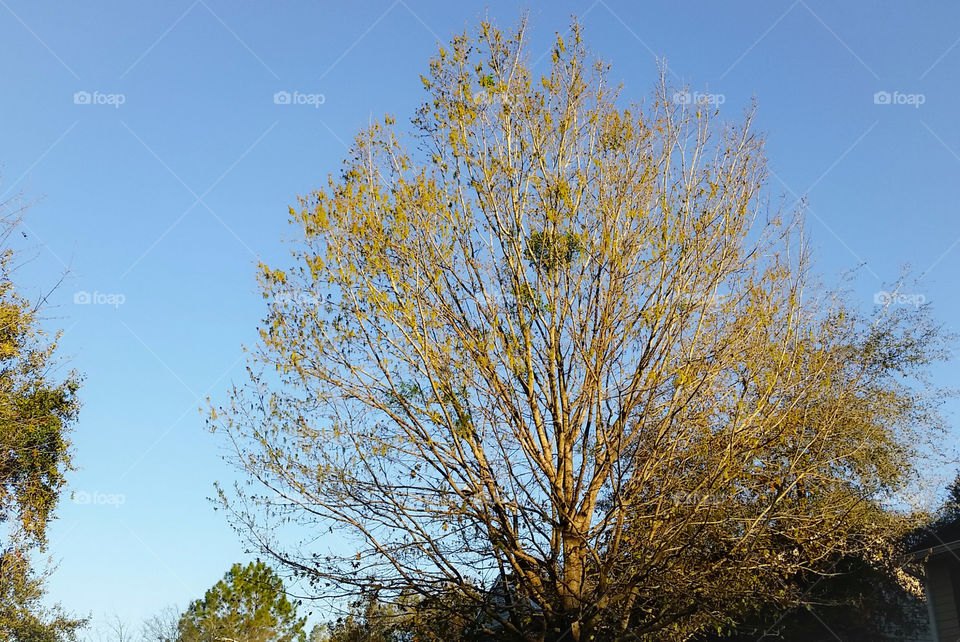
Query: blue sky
160, 170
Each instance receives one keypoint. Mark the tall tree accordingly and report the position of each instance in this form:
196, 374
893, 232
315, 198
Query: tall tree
37, 407
559, 346
248, 605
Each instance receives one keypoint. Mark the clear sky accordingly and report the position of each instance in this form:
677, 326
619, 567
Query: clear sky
161, 186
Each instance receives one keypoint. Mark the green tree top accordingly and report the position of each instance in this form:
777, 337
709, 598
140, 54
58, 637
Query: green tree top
248, 605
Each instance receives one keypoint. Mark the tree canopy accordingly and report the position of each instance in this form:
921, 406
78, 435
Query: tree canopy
560, 357
37, 407
248, 605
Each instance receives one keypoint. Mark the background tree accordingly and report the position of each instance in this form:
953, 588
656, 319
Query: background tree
248, 605
36, 409
115, 629
24, 615
948, 514
940, 527
408, 619
886, 595
162, 627
561, 345
367, 621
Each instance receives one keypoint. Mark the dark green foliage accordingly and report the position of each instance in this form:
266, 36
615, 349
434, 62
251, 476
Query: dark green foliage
248, 604
367, 621
23, 616
410, 619
858, 602
547, 250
